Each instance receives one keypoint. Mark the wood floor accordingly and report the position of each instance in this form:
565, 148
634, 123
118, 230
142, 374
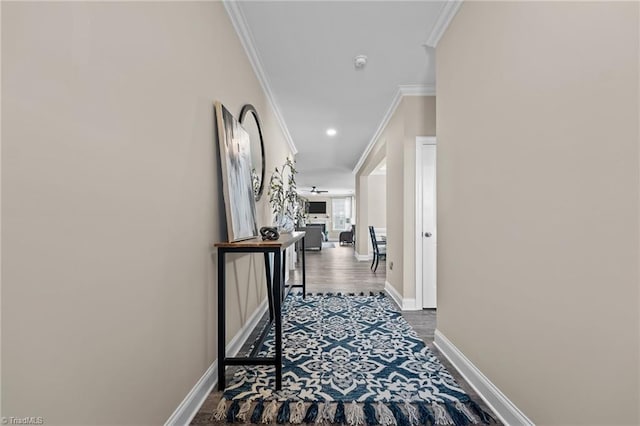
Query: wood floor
337, 270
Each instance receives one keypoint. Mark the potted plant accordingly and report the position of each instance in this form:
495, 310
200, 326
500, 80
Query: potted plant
284, 200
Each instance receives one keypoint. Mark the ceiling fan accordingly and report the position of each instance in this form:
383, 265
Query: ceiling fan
315, 190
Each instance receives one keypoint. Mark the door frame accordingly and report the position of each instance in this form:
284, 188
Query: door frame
420, 142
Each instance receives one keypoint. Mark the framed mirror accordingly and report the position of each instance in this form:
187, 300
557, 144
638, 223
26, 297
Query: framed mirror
251, 122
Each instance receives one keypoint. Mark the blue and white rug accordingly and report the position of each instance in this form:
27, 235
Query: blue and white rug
348, 359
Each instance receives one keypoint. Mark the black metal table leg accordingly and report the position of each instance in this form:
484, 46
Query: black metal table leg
267, 268
283, 276
221, 318
304, 272
277, 307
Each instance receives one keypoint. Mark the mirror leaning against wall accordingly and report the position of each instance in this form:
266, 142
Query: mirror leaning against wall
250, 120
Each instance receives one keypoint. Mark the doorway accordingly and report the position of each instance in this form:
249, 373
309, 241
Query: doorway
426, 224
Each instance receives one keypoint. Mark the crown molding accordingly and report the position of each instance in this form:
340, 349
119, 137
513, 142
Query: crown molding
403, 90
385, 120
417, 90
448, 11
242, 29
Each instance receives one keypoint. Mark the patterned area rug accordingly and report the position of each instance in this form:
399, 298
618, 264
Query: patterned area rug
348, 359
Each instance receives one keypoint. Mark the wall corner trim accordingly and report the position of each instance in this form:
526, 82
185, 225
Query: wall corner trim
506, 410
404, 304
447, 12
410, 305
188, 408
242, 29
362, 257
391, 291
403, 90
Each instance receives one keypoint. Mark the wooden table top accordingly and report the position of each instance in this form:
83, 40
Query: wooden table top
285, 240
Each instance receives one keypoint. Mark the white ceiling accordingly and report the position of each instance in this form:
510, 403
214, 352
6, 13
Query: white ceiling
305, 50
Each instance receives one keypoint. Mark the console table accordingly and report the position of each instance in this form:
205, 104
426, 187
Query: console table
275, 296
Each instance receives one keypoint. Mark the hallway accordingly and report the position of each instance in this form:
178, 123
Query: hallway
335, 269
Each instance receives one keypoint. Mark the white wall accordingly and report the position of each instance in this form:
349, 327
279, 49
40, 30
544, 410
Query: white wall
538, 184
377, 201
377, 154
376, 204
110, 203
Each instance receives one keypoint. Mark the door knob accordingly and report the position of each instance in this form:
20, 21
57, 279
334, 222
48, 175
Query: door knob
427, 234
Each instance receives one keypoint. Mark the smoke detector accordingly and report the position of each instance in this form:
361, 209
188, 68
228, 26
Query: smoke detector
360, 61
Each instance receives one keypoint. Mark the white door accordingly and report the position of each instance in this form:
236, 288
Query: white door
429, 235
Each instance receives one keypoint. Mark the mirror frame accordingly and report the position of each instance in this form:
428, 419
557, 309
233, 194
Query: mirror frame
246, 109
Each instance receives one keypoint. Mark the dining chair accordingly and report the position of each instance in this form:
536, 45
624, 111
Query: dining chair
379, 249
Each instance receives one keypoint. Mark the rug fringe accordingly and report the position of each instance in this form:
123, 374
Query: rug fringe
457, 417
369, 414
426, 417
401, 418
340, 417
354, 414
257, 412
312, 413
412, 413
283, 413
340, 294
385, 415
441, 415
234, 409
328, 411
484, 417
221, 411
244, 411
467, 412
270, 412
380, 413
320, 416
297, 414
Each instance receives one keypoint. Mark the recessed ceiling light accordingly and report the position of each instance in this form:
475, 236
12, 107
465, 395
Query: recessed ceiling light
332, 132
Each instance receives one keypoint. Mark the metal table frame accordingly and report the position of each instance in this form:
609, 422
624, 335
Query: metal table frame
275, 295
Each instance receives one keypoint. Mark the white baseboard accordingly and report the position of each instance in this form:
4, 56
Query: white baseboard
362, 257
404, 304
189, 407
391, 291
506, 410
410, 305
